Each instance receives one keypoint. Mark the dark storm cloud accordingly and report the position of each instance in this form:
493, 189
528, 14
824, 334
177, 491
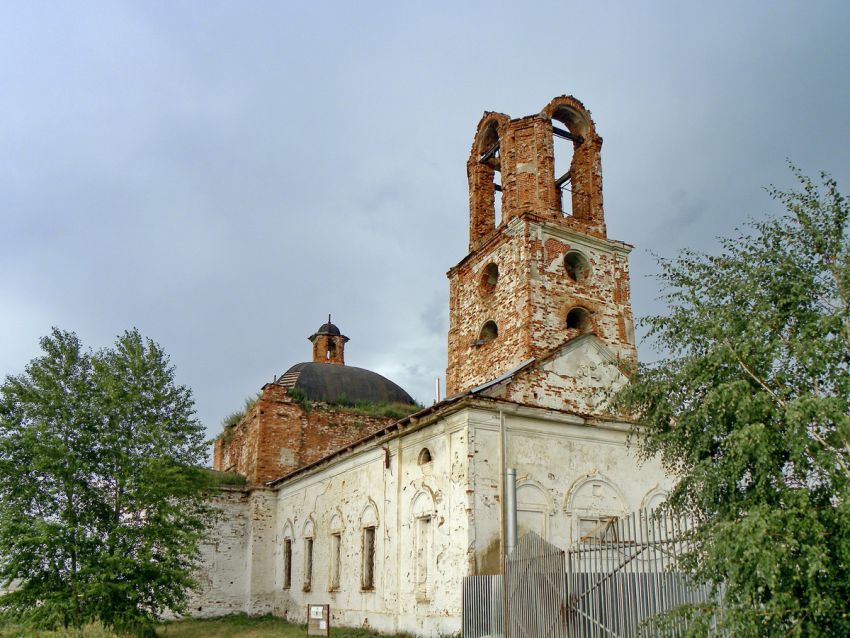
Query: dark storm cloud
222, 176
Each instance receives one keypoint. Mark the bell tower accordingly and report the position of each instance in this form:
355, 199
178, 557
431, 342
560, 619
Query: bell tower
540, 269
328, 344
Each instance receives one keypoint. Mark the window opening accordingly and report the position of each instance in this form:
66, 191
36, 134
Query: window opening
287, 563
424, 456
490, 277
367, 580
490, 157
308, 564
489, 331
579, 319
563, 144
336, 547
576, 266
497, 197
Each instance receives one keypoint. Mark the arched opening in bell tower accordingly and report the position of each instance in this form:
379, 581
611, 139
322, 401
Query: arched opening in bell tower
568, 132
489, 147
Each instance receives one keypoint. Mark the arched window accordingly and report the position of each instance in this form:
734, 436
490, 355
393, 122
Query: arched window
424, 456
576, 266
368, 527
488, 149
337, 528
488, 332
489, 278
287, 555
595, 503
579, 319
308, 554
568, 131
534, 506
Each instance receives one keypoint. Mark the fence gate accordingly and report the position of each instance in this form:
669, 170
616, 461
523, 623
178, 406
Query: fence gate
536, 589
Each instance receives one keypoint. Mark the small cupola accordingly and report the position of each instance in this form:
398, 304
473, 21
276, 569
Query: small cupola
328, 344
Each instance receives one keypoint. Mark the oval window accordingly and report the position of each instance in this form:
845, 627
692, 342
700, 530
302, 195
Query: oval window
489, 278
576, 266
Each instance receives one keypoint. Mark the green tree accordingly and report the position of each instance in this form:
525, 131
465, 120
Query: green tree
102, 497
750, 409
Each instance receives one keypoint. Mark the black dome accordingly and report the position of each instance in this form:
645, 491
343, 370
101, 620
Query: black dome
329, 382
328, 329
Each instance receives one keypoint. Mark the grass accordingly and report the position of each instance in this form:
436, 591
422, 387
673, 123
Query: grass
240, 626
233, 419
11, 630
236, 626
230, 479
367, 408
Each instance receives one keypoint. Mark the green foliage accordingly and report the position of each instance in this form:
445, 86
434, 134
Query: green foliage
300, 397
93, 630
380, 409
751, 410
102, 500
223, 479
233, 419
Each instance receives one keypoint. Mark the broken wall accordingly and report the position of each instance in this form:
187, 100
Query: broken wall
280, 434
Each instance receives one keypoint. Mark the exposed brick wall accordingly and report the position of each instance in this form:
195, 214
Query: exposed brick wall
329, 348
534, 293
278, 435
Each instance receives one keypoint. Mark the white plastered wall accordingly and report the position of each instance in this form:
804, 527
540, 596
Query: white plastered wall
420, 515
567, 469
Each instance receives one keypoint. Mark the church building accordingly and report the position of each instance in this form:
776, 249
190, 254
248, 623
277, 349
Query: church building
381, 515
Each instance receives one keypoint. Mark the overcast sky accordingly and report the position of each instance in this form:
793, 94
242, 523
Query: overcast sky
222, 175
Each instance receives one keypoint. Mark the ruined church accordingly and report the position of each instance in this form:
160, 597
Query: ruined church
381, 514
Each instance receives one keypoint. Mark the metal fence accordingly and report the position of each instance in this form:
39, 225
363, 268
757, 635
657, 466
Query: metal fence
613, 583
620, 578
536, 589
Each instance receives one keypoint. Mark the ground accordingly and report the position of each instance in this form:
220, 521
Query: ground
237, 626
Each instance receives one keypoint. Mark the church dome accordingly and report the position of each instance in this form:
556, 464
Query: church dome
328, 383
328, 329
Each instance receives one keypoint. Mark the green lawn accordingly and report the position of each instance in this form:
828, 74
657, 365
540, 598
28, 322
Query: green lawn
238, 626
247, 627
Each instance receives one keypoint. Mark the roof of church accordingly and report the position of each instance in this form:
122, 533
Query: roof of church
329, 382
327, 329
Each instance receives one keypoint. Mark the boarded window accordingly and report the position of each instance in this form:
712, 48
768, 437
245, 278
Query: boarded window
287, 563
367, 580
336, 550
308, 564
423, 552
598, 530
